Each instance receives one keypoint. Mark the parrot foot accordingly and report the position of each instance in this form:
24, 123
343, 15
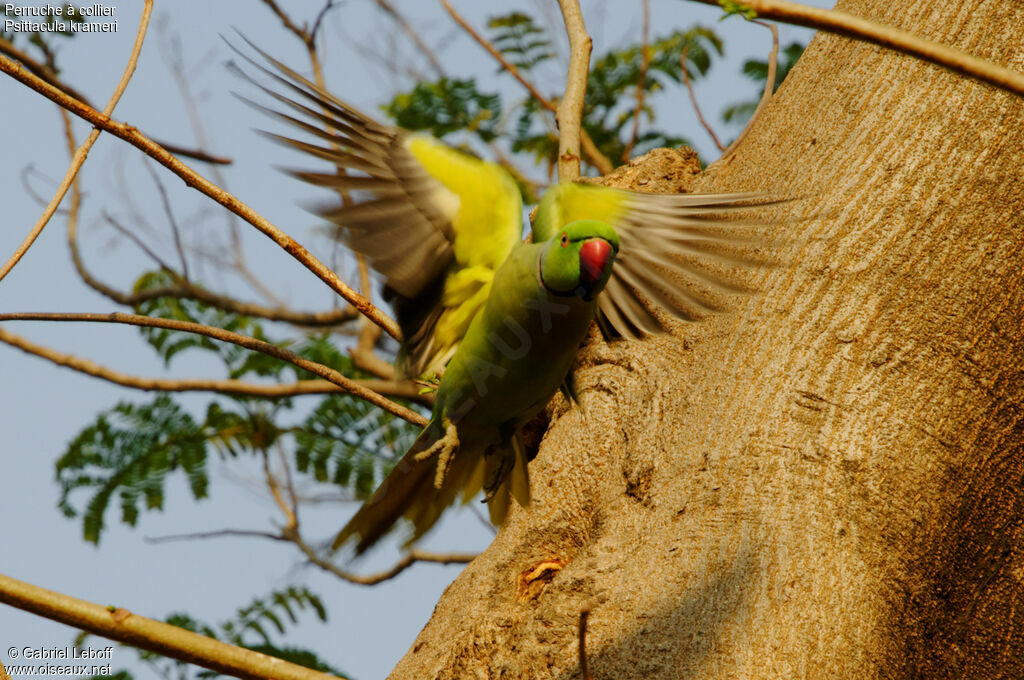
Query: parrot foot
443, 448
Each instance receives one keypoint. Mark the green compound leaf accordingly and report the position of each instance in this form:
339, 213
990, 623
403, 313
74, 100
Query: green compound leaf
446, 106
350, 443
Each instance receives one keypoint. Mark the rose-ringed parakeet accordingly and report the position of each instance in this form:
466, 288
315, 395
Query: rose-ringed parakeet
500, 319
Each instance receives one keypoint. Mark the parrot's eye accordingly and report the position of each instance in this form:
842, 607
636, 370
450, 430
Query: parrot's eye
565, 240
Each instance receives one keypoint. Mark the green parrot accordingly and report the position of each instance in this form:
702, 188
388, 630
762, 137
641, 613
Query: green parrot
500, 319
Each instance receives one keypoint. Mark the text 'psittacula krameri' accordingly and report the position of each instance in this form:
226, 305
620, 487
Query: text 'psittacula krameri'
502, 319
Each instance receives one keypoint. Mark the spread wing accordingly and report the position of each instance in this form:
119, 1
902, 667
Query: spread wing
678, 252
436, 223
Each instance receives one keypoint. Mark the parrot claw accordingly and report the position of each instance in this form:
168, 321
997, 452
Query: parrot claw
443, 448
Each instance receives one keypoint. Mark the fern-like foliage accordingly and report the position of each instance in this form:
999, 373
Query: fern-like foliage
128, 452
277, 610
757, 71
350, 443
609, 106
170, 343
446, 106
522, 41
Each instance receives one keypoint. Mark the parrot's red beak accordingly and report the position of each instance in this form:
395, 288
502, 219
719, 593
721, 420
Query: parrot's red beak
595, 255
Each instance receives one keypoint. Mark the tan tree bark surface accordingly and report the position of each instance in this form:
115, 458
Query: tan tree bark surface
827, 483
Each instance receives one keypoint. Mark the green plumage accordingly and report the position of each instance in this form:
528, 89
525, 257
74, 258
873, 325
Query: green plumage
502, 320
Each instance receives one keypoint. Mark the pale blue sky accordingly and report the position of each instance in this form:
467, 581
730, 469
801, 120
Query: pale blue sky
42, 406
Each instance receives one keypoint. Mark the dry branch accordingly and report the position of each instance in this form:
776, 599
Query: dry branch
177, 643
237, 387
641, 81
696, 106
83, 151
766, 95
345, 383
193, 179
594, 155
411, 558
865, 30
413, 34
40, 69
570, 107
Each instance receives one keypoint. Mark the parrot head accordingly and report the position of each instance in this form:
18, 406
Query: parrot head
578, 259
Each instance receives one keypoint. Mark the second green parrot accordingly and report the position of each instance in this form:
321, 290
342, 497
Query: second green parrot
500, 319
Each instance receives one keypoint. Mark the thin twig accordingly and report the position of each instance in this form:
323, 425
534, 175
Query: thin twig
186, 290
218, 533
134, 238
169, 213
290, 516
570, 107
83, 151
30, 169
641, 83
852, 26
235, 387
593, 154
289, 482
411, 558
693, 100
766, 95
193, 179
328, 6
172, 54
582, 636
119, 624
47, 74
40, 69
325, 372
195, 154
189, 291
363, 355
291, 536
301, 33
417, 39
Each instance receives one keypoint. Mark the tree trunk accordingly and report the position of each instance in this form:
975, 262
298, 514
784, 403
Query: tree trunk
827, 483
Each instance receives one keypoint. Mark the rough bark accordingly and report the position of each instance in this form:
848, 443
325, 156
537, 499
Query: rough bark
827, 483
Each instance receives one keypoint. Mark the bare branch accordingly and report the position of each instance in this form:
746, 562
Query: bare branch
641, 83
40, 69
83, 151
693, 100
851, 26
237, 387
290, 513
195, 154
218, 533
186, 290
301, 33
328, 6
171, 641
347, 384
47, 74
769, 89
417, 39
192, 178
411, 558
169, 213
594, 155
570, 107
